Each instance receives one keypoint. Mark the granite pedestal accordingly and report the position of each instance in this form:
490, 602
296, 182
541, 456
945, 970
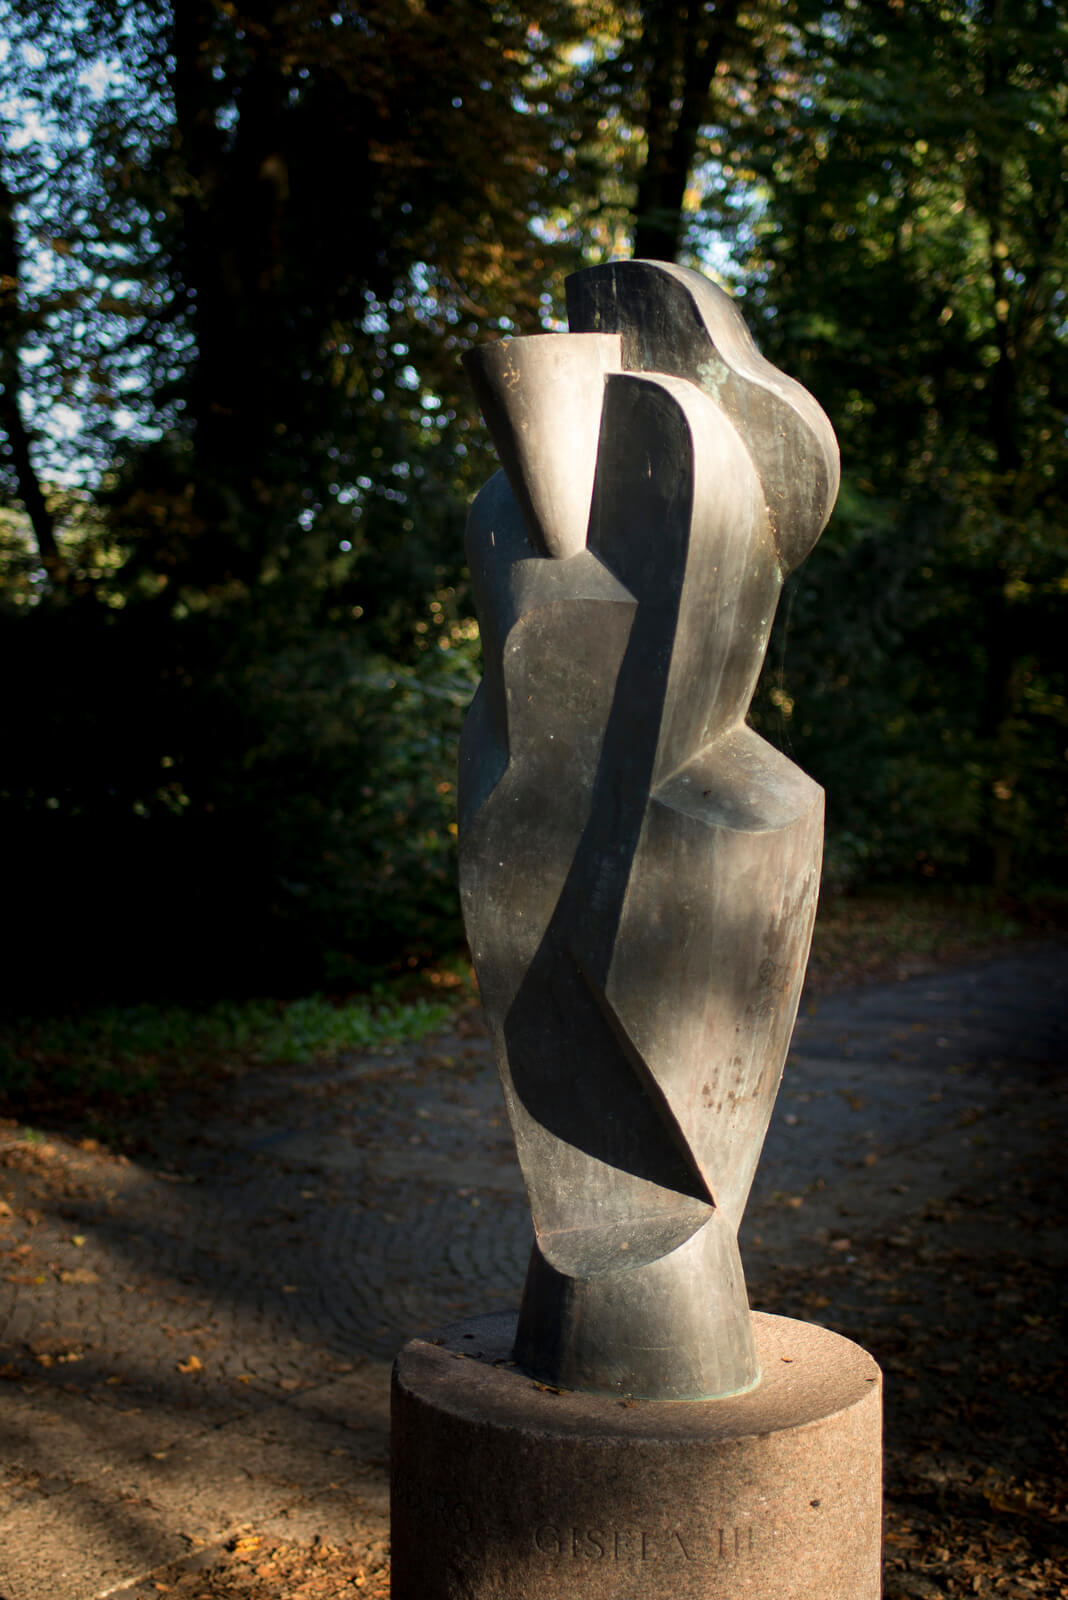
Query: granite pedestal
505, 1488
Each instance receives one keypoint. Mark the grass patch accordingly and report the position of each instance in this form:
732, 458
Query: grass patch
115, 1059
124, 1053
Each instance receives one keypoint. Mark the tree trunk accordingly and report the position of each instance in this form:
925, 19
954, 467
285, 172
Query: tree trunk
11, 420
683, 46
232, 260
999, 689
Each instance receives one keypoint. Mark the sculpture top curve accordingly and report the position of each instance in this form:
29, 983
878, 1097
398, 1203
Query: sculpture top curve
674, 321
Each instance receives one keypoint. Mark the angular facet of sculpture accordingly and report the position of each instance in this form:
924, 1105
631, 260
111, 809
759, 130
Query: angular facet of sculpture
638, 868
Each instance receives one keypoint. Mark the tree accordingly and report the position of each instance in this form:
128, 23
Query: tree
241, 248
11, 418
885, 184
907, 228
682, 46
295, 223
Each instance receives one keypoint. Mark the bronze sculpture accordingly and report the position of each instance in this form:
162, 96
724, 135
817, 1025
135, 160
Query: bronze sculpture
639, 869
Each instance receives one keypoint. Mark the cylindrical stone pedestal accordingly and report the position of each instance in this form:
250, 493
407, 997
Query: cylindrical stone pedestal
506, 1489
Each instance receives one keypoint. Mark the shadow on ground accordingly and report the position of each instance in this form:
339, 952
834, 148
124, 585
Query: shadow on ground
196, 1340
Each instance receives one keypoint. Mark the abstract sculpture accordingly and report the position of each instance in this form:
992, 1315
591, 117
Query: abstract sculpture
639, 869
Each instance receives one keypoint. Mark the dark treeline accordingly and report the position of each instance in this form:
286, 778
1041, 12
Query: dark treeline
242, 247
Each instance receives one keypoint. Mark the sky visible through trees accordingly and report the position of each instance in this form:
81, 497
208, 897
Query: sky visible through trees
242, 247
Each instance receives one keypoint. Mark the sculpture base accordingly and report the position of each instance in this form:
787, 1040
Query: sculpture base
506, 1489
674, 1328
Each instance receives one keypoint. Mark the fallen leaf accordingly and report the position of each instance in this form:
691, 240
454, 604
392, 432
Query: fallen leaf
78, 1275
194, 1364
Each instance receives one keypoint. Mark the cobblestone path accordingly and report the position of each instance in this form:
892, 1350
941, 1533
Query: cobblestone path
199, 1340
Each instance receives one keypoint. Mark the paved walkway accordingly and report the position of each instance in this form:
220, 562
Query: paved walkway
200, 1341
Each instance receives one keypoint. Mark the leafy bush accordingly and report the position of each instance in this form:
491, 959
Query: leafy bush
208, 805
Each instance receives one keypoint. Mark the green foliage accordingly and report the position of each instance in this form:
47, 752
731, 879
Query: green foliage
905, 240
241, 249
126, 1052
247, 248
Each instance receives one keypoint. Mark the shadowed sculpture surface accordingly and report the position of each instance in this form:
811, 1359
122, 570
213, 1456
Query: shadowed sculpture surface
638, 868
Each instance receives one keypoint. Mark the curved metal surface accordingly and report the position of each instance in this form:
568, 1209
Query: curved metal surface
638, 869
